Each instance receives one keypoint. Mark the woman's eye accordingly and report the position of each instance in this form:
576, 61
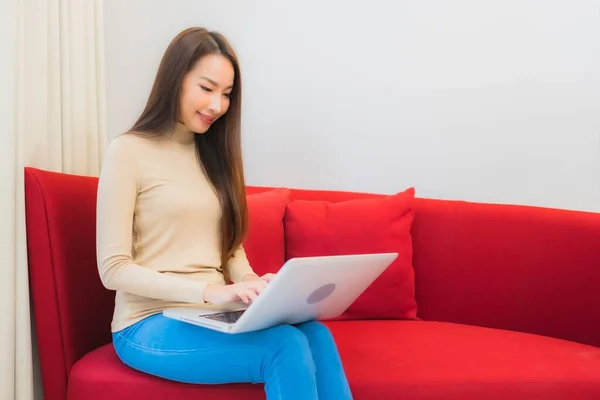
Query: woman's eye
228, 95
205, 88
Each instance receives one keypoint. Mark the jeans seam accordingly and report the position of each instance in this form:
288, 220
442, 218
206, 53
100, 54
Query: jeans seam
133, 344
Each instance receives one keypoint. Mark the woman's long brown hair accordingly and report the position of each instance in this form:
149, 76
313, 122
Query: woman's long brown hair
219, 149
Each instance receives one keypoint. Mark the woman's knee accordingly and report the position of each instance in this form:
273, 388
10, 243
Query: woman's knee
289, 335
292, 345
315, 330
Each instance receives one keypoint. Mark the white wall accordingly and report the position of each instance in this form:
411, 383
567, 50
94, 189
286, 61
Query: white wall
494, 101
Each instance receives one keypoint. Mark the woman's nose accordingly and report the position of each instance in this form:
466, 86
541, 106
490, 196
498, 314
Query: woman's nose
215, 104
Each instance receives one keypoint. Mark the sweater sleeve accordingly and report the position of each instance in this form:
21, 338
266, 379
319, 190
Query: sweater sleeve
239, 266
116, 198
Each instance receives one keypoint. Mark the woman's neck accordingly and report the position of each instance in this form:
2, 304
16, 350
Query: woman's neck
182, 134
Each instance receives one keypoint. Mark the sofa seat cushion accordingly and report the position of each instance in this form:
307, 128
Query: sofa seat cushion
100, 375
412, 360
406, 360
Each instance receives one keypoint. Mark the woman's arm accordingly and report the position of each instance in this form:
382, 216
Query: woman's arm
117, 192
239, 266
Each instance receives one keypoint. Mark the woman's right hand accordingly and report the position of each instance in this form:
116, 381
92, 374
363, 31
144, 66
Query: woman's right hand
245, 292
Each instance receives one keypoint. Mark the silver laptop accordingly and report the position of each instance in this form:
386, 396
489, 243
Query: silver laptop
304, 289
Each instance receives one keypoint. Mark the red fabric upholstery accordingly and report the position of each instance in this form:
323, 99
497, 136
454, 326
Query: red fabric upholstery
265, 247
412, 360
378, 225
71, 308
521, 268
100, 375
395, 360
527, 269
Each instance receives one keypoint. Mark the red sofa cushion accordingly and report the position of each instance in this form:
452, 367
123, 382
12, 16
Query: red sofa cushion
265, 242
413, 360
317, 228
406, 360
101, 375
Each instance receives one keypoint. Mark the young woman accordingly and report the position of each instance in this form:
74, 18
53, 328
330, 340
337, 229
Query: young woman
171, 219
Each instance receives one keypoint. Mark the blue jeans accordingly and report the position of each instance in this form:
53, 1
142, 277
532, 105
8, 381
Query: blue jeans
294, 362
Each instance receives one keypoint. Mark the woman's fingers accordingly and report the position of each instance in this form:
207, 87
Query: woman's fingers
244, 298
252, 295
247, 296
251, 290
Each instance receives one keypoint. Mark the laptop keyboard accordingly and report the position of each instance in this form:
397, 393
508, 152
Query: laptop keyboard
229, 317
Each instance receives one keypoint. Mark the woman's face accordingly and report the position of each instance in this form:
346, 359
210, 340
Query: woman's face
205, 92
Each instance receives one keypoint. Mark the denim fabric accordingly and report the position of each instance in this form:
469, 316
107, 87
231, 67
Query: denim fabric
294, 362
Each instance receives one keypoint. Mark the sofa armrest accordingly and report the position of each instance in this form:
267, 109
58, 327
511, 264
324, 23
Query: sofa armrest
522, 268
71, 309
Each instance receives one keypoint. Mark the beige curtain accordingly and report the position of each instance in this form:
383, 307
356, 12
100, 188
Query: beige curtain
53, 118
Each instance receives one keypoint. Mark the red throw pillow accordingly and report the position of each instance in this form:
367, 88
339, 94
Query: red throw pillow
265, 242
377, 225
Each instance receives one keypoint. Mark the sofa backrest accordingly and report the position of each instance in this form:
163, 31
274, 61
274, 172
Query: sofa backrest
523, 268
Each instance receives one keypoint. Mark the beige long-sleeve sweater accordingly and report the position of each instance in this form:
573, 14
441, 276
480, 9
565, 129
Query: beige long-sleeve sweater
158, 227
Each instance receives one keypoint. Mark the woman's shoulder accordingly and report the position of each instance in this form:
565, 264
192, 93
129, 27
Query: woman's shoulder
128, 138
133, 142
125, 147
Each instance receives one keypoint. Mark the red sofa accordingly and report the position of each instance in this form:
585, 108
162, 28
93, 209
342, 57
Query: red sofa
506, 299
